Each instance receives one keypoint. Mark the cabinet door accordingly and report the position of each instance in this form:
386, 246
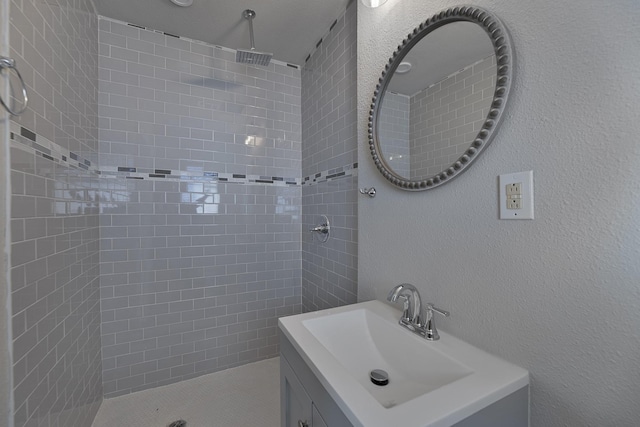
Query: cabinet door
296, 403
317, 419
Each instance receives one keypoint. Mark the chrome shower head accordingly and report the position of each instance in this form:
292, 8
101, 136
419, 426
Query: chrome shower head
252, 56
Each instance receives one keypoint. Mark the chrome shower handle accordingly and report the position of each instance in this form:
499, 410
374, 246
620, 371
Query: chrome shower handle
322, 228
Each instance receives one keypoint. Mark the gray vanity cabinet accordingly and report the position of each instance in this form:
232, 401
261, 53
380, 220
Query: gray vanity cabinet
296, 403
317, 418
304, 402
298, 409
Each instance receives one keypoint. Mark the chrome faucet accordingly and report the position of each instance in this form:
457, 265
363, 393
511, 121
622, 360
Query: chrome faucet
412, 318
412, 303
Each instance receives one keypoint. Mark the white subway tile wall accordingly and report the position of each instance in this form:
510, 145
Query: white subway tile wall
54, 219
329, 270
195, 271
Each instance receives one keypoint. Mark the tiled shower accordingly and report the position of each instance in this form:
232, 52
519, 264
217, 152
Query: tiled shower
57, 371
200, 213
161, 195
329, 168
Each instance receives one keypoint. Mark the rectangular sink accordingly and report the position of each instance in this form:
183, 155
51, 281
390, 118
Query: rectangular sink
431, 383
361, 341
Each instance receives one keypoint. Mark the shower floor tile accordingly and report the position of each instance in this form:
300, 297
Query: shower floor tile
248, 395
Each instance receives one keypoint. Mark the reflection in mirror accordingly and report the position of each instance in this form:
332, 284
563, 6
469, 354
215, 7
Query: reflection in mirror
437, 100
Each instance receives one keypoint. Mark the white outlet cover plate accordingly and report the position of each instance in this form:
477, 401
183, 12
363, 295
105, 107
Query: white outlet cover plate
526, 178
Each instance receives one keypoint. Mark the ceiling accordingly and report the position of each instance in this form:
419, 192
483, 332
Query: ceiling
289, 29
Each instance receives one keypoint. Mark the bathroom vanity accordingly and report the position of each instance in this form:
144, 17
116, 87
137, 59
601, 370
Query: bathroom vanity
326, 358
304, 402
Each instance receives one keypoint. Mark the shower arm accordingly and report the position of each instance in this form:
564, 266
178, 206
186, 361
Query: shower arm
252, 56
249, 15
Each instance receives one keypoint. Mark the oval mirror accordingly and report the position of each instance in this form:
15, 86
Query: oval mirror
441, 98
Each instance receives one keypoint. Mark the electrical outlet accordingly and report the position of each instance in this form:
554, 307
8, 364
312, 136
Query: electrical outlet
514, 188
514, 203
516, 195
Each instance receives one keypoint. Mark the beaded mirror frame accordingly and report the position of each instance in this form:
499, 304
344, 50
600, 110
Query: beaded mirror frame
499, 37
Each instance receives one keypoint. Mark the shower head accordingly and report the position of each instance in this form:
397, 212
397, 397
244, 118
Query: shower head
252, 56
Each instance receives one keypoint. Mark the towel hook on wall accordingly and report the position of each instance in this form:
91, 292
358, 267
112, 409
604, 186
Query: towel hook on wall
371, 192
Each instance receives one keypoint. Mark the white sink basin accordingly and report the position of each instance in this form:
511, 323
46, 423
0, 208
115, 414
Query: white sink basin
431, 383
362, 341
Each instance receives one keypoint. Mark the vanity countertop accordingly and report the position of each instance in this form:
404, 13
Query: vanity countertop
432, 383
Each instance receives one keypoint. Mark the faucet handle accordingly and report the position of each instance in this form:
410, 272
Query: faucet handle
431, 308
405, 308
430, 331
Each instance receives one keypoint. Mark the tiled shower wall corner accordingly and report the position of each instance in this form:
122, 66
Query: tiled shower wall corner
449, 114
54, 218
201, 207
329, 167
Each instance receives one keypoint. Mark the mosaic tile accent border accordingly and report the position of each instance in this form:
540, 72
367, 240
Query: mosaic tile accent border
331, 175
38, 145
111, 172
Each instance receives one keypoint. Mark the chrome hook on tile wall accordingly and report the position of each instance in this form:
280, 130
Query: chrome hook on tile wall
10, 64
322, 229
371, 192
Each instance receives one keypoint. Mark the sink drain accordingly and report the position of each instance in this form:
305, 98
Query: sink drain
379, 377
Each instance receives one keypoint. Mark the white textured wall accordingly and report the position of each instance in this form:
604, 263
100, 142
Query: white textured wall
559, 295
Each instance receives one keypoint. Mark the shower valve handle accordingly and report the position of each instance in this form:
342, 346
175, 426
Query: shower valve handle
323, 228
